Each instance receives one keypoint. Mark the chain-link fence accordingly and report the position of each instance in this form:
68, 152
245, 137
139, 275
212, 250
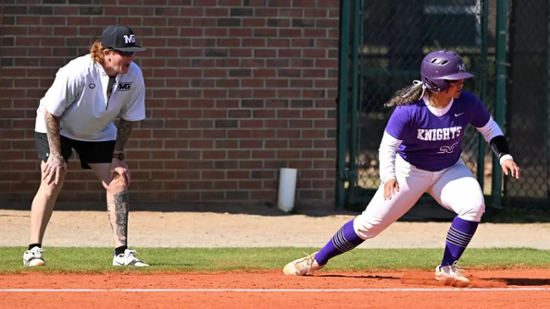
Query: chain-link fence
528, 108
388, 40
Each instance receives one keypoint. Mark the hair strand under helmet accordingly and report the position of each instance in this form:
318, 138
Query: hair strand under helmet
441, 66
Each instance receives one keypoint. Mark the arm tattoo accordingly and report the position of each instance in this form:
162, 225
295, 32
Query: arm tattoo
121, 209
124, 130
52, 130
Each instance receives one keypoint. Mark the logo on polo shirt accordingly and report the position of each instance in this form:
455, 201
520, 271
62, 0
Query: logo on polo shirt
124, 86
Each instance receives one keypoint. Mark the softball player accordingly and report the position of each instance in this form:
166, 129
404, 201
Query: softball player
78, 111
420, 152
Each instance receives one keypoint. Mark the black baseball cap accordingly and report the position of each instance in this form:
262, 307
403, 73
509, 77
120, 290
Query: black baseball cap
121, 38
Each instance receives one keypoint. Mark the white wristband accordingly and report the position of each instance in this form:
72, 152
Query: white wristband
506, 157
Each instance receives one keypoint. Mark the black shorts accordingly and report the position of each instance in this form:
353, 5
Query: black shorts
89, 152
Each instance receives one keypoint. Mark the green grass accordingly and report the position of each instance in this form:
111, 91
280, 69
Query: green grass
98, 260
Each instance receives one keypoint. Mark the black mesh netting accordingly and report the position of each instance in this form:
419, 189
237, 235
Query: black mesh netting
527, 101
394, 37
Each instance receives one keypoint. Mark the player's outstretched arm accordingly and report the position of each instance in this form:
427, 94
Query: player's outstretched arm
500, 148
494, 136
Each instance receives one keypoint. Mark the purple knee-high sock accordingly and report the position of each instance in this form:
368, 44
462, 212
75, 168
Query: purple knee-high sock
343, 241
458, 238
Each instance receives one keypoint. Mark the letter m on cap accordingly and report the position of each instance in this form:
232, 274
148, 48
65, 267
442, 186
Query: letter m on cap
129, 39
461, 67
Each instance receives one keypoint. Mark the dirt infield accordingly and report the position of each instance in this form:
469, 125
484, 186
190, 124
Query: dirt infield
491, 289
252, 228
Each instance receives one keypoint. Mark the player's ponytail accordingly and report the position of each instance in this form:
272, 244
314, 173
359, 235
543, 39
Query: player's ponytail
407, 95
97, 52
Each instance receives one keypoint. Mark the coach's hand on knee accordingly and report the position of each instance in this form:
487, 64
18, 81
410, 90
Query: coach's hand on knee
54, 169
391, 187
119, 170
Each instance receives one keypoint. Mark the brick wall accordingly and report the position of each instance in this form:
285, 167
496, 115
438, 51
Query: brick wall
236, 89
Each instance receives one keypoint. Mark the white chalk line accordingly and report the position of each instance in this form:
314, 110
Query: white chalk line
271, 290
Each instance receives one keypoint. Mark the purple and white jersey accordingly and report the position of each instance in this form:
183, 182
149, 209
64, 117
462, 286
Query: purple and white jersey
431, 142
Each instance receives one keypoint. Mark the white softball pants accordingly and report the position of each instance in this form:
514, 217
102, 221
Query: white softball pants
454, 188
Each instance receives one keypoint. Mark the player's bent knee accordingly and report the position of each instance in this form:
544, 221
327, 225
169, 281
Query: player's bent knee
472, 213
471, 206
367, 228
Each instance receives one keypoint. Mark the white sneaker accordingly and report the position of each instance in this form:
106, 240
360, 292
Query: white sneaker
303, 266
33, 257
128, 259
453, 272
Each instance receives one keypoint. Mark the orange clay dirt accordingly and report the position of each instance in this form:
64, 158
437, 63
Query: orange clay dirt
489, 289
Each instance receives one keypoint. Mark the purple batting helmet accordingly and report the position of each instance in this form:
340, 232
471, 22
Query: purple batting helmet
440, 66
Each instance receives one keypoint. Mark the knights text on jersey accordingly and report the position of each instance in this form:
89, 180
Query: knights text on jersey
432, 142
80, 98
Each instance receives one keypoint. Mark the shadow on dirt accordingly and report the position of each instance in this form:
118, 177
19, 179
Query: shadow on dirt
359, 277
523, 281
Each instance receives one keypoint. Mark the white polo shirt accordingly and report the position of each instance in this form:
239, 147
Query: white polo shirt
79, 97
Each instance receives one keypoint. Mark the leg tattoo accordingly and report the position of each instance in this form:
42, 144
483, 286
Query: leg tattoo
122, 206
109, 207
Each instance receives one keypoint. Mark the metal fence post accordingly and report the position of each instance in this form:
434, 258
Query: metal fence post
354, 108
548, 107
483, 91
342, 108
500, 100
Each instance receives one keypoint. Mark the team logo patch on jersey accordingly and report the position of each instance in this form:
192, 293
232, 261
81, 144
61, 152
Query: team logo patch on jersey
448, 149
124, 86
91, 85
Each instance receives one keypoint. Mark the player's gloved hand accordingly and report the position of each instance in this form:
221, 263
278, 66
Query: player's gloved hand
119, 168
54, 168
509, 167
391, 187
